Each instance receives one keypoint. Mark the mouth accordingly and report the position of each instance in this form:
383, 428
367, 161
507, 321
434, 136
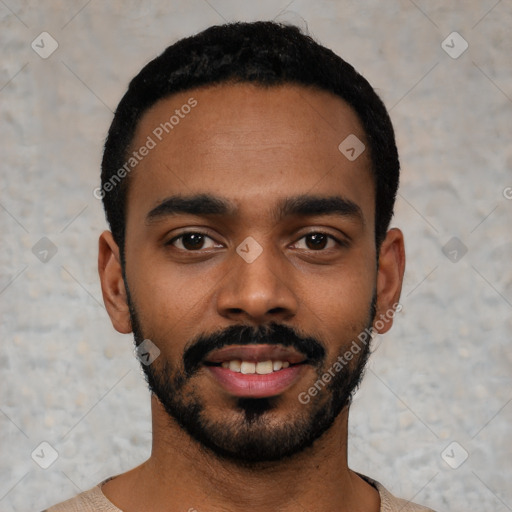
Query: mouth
256, 371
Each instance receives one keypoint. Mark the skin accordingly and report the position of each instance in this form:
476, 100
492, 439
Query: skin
253, 147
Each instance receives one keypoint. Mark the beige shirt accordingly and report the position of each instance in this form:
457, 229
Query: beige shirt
94, 500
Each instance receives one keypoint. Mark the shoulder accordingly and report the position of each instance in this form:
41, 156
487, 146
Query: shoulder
92, 500
390, 503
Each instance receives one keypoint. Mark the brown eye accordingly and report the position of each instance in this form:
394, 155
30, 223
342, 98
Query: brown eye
318, 241
191, 241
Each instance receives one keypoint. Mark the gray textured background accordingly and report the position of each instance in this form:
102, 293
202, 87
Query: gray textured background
441, 375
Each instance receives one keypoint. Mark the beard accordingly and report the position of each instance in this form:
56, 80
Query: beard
255, 431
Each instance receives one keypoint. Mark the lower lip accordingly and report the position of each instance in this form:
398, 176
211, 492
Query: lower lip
254, 385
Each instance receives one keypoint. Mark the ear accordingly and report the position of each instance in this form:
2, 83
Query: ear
389, 279
112, 283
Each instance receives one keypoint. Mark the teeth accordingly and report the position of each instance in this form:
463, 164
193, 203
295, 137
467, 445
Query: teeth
264, 367
235, 365
250, 367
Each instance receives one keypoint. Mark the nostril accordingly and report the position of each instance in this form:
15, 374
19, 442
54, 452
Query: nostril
278, 310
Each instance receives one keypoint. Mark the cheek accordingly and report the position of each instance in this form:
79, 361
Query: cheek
341, 305
344, 327
166, 291
172, 304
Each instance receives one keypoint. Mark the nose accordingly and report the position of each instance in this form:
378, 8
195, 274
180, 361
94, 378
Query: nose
259, 290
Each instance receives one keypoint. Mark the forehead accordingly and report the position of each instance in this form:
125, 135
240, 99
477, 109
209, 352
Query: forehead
248, 143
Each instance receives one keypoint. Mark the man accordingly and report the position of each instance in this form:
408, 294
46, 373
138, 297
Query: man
249, 179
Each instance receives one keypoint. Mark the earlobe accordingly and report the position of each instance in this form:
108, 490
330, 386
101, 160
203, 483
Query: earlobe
112, 283
389, 279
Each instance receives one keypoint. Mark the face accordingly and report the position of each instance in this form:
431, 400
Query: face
251, 264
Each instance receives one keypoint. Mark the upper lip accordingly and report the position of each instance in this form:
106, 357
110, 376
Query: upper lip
256, 353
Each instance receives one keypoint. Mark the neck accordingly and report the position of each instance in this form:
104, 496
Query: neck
182, 475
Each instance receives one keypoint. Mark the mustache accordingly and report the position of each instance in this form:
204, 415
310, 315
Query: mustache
270, 334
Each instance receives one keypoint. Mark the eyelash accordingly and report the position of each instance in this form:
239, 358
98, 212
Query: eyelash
341, 243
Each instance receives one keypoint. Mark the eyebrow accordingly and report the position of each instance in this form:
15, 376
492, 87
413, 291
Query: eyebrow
302, 205
307, 205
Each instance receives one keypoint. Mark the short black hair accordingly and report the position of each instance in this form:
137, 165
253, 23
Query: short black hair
264, 53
